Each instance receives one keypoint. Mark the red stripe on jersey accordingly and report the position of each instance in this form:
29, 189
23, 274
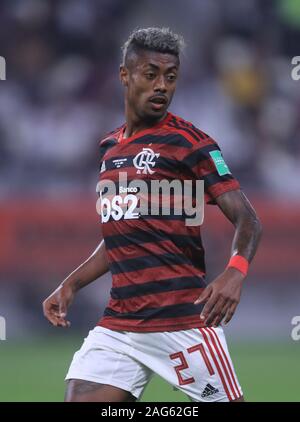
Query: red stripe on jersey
207, 167
143, 132
219, 188
227, 361
185, 124
112, 135
159, 273
207, 342
136, 251
222, 362
157, 300
154, 325
132, 149
178, 227
184, 134
131, 174
116, 228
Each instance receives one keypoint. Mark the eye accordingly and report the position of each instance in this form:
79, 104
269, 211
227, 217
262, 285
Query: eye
150, 75
171, 77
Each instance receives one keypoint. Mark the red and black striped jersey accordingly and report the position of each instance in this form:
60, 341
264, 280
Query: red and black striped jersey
157, 261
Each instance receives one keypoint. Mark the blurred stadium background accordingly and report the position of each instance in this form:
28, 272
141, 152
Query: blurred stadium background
62, 94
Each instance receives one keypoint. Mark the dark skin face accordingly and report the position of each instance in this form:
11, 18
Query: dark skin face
150, 80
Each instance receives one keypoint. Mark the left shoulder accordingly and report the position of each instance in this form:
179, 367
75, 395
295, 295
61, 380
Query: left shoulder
189, 131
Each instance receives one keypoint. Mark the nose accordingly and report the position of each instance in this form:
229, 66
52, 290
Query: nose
160, 85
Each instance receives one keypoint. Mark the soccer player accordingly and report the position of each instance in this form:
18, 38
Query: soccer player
161, 318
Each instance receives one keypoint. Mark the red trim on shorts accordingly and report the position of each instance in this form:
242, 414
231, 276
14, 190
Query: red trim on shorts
204, 335
231, 370
222, 362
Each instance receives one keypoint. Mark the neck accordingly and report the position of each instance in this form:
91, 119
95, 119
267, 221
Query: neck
135, 124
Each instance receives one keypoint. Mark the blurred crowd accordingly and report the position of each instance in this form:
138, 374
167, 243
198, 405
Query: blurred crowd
62, 91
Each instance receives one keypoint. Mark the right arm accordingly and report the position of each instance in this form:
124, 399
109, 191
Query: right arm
56, 305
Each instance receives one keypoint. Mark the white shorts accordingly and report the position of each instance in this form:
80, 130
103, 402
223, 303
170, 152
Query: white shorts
196, 361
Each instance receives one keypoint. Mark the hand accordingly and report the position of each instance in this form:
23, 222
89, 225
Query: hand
56, 305
222, 297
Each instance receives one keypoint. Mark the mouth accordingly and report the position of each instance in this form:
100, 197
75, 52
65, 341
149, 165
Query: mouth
158, 102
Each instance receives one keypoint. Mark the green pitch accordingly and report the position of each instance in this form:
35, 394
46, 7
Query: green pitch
35, 372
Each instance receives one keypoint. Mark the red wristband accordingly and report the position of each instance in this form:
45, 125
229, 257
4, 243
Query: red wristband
240, 263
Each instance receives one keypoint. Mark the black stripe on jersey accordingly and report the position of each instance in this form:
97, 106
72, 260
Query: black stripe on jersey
177, 122
214, 178
105, 146
171, 311
192, 131
164, 163
154, 287
200, 154
201, 133
139, 237
152, 184
148, 261
171, 217
161, 216
112, 133
180, 124
173, 120
110, 165
174, 139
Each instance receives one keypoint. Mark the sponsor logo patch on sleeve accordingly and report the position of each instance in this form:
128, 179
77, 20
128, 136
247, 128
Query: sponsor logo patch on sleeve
220, 164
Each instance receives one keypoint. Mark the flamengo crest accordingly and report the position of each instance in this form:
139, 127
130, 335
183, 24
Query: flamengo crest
144, 160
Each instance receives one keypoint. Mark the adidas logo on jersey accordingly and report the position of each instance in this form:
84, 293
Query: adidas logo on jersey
209, 390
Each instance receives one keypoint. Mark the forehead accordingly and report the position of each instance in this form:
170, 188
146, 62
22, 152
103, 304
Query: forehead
154, 59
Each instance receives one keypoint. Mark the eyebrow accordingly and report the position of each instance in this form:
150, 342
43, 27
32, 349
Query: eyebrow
154, 66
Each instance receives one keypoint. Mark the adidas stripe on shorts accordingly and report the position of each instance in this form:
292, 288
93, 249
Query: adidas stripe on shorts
195, 361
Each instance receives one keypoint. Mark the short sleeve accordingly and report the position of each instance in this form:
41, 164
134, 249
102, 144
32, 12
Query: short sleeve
104, 146
207, 163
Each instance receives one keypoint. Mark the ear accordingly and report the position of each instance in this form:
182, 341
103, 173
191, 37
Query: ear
124, 75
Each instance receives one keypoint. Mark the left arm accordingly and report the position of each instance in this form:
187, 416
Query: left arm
223, 294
